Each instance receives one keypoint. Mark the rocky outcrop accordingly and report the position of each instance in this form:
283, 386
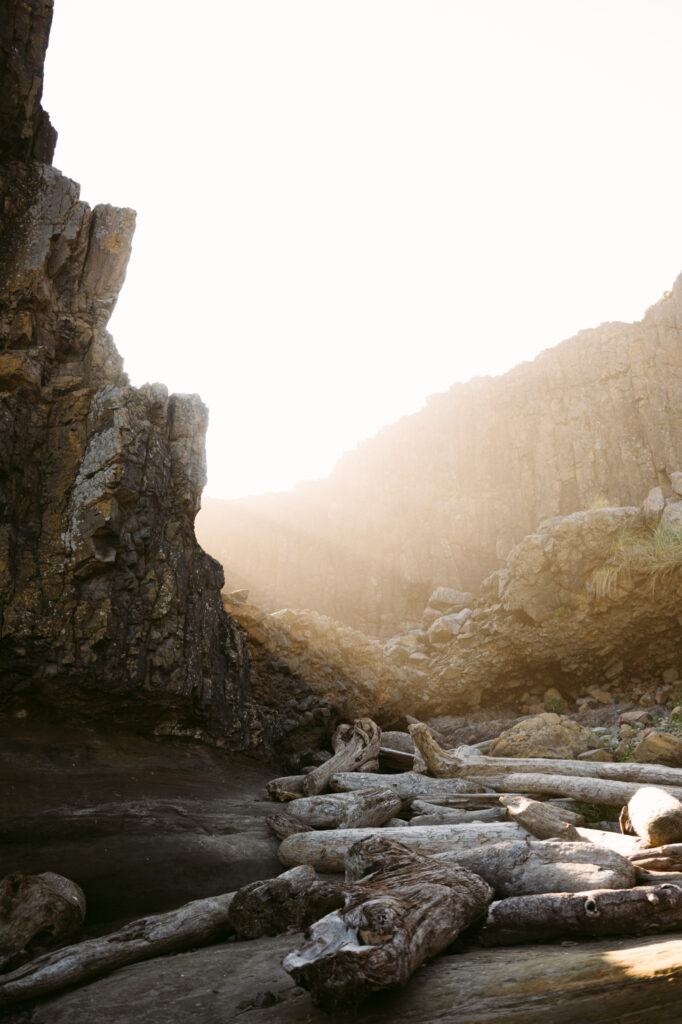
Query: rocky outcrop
108, 606
568, 617
442, 496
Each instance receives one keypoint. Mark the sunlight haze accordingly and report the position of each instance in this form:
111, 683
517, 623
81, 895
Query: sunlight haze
346, 206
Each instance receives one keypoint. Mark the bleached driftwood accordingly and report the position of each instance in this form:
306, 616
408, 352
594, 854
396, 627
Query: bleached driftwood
645, 877
466, 761
624, 845
515, 868
433, 814
656, 816
597, 791
408, 784
326, 851
406, 911
357, 809
659, 858
539, 819
194, 924
521, 919
354, 747
294, 899
37, 912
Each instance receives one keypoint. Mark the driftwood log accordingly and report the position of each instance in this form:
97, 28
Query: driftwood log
407, 910
655, 816
354, 746
521, 919
194, 924
597, 791
289, 787
292, 900
432, 814
37, 912
659, 858
541, 820
356, 809
409, 784
326, 851
395, 760
516, 868
466, 761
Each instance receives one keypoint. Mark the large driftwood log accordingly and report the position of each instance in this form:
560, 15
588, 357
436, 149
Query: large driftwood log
355, 809
654, 908
326, 851
194, 924
354, 747
292, 900
433, 814
515, 868
659, 858
406, 911
466, 761
37, 912
597, 791
409, 784
539, 819
655, 816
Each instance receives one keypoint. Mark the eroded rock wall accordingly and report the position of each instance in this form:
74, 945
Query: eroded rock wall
108, 606
442, 496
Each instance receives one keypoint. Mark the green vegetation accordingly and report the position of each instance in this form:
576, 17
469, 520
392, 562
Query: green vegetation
597, 812
563, 609
628, 750
651, 554
556, 706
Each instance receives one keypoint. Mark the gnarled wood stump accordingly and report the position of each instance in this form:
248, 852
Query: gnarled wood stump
37, 912
407, 910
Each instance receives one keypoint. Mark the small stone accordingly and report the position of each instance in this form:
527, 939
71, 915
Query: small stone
626, 731
596, 755
670, 675
654, 503
634, 717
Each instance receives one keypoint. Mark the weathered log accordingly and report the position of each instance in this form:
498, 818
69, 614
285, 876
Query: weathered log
463, 801
283, 825
624, 845
289, 787
355, 809
521, 919
519, 867
292, 900
541, 821
406, 911
659, 858
655, 816
326, 851
598, 791
37, 912
394, 740
433, 814
408, 784
194, 924
466, 761
353, 749
646, 877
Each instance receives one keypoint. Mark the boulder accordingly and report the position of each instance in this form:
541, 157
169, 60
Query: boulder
546, 735
654, 503
672, 514
659, 748
446, 599
448, 626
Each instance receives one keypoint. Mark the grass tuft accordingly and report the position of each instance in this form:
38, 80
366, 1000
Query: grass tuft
641, 553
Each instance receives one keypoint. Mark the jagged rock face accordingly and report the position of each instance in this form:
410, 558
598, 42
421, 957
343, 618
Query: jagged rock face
441, 497
107, 603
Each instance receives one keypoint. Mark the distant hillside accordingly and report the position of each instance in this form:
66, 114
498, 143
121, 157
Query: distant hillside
441, 496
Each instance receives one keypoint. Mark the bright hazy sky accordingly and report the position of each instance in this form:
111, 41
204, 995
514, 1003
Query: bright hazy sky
347, 205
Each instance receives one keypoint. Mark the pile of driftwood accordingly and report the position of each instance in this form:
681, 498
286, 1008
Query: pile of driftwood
468, 848
472, 849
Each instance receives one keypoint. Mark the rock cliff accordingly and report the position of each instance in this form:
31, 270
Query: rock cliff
442, 496
108, 606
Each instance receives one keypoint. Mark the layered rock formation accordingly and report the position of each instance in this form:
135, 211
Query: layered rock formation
108, 606
442, 496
